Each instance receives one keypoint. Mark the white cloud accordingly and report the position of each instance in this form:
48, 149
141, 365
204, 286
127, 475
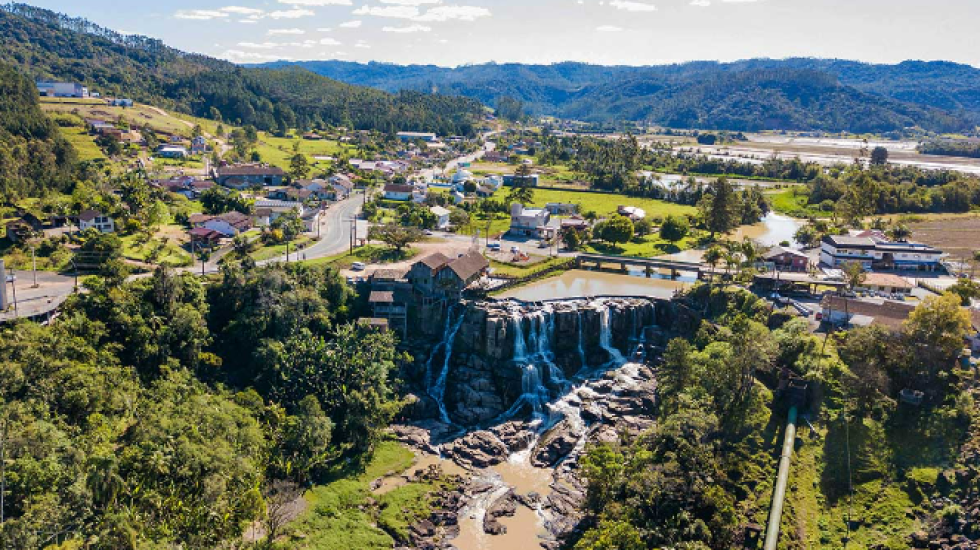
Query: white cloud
316, 2
739, 1
294, 32
408, 29
248, 21
200, 15
239, 55
351, 25
628, 5
291, 14
362, 44
446, 13
259, 45
240, 10
396, 12
608, 28
701, 3
411, 2
437, 14
328, 42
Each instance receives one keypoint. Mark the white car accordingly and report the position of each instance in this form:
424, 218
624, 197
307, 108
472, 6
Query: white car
515, 249
358, 266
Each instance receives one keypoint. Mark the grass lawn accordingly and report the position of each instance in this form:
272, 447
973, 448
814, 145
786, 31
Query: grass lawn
786, 201
171, 254
278, 151
373, 254
642, 247
605, 204
269, 252
83, 143
339, 516
138, 115
517, 271
500, 224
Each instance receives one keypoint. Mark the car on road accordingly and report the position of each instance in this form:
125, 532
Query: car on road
515, 249
358, 266
495, 247
428, 233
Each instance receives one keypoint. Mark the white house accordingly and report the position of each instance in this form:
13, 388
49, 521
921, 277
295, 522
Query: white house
342, 187
442, 216
871, 253
90, 219
396, 192
228, 224
268, 211
528, 221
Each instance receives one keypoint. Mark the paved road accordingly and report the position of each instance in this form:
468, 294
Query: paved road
335, 231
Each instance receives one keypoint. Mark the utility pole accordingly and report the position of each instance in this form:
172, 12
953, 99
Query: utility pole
34, 265
13, 288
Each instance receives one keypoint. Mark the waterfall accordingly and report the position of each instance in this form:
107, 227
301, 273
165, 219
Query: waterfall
605, 337
581, 344
533, 390
437, 389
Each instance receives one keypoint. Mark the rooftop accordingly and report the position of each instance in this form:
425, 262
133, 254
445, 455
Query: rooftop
885, 313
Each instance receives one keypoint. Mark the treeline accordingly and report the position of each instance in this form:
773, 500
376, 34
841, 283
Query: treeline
34, 157
968, 149
46, 44
161, 412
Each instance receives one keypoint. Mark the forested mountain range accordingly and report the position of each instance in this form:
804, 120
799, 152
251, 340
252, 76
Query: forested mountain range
45, 44
799, 94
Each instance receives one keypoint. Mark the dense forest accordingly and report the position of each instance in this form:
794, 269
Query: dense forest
44, 44
161, 411
968, 149
33, 155
759, 94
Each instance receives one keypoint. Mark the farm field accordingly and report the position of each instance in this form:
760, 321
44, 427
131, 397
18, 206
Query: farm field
958, 236
141, 115
278, 151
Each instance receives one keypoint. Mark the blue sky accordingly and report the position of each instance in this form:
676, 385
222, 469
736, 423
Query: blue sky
633, 32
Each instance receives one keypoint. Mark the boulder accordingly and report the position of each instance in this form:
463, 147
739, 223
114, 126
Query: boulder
478, 450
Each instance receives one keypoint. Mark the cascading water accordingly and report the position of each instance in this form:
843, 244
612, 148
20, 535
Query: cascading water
533, 390
605, 337
437, 388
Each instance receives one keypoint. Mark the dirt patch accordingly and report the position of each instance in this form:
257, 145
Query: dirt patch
525, 258
958, 237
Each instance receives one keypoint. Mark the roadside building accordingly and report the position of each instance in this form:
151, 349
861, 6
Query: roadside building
786, 259
442, 216
249, 175
202, 237
171, 152
528, 222
887, 283
531, 181
413, 136
228, 224
876, 254
398, 192
61, 89
437, 276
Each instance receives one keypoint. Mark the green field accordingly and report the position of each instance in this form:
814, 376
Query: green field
170, 253
605, 204
83, 143
278, 151
344, 515
787, 201
138, 115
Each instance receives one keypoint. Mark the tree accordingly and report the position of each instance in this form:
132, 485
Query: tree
459, 218
720, 208
900, 232
571, 238
305, 446
299, 166
854, 275
617, 230
967, 290
879, 156
712, 256
935, 331
521, 190
674, 228
644, 227
290, 224
807, 236
395, 235
280, 507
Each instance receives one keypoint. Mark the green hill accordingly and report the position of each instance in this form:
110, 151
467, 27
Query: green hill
45, 44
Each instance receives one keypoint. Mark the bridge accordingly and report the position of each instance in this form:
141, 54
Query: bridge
674, 266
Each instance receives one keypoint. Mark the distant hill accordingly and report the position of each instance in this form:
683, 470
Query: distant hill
45, 44
795, 94
34, 157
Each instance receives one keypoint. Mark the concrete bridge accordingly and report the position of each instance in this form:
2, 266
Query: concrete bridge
649, 264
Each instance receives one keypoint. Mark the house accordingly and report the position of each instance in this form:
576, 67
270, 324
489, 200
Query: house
228, 224
202, 237
888, 283
876, 254
460, 178
61, 89
529, 222
412, 136
533, 180
292, 194
311, 219
171, 152
841, 311
384, 306
496, 156
575, 223
397, 192
437, 275
248, 175
442, 217
121, 102
199, 145
787, 259
93, 219
342, 187
133, 137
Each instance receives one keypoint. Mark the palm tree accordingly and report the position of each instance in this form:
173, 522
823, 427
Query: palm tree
900, 233
712, 256
750, 251
521, 194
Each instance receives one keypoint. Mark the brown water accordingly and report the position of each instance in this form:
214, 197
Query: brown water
772, 230
578, 283
422, 462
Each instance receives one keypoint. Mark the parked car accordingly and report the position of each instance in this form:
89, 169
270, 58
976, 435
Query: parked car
358, 266
495, 247
515, 249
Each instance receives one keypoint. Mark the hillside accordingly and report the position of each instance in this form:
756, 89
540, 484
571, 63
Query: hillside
45, 44
796, 94
33, 155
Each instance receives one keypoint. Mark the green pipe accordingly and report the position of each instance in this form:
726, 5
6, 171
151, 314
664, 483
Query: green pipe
782, 479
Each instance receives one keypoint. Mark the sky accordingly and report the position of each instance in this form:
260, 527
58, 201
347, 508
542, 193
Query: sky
620, 32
